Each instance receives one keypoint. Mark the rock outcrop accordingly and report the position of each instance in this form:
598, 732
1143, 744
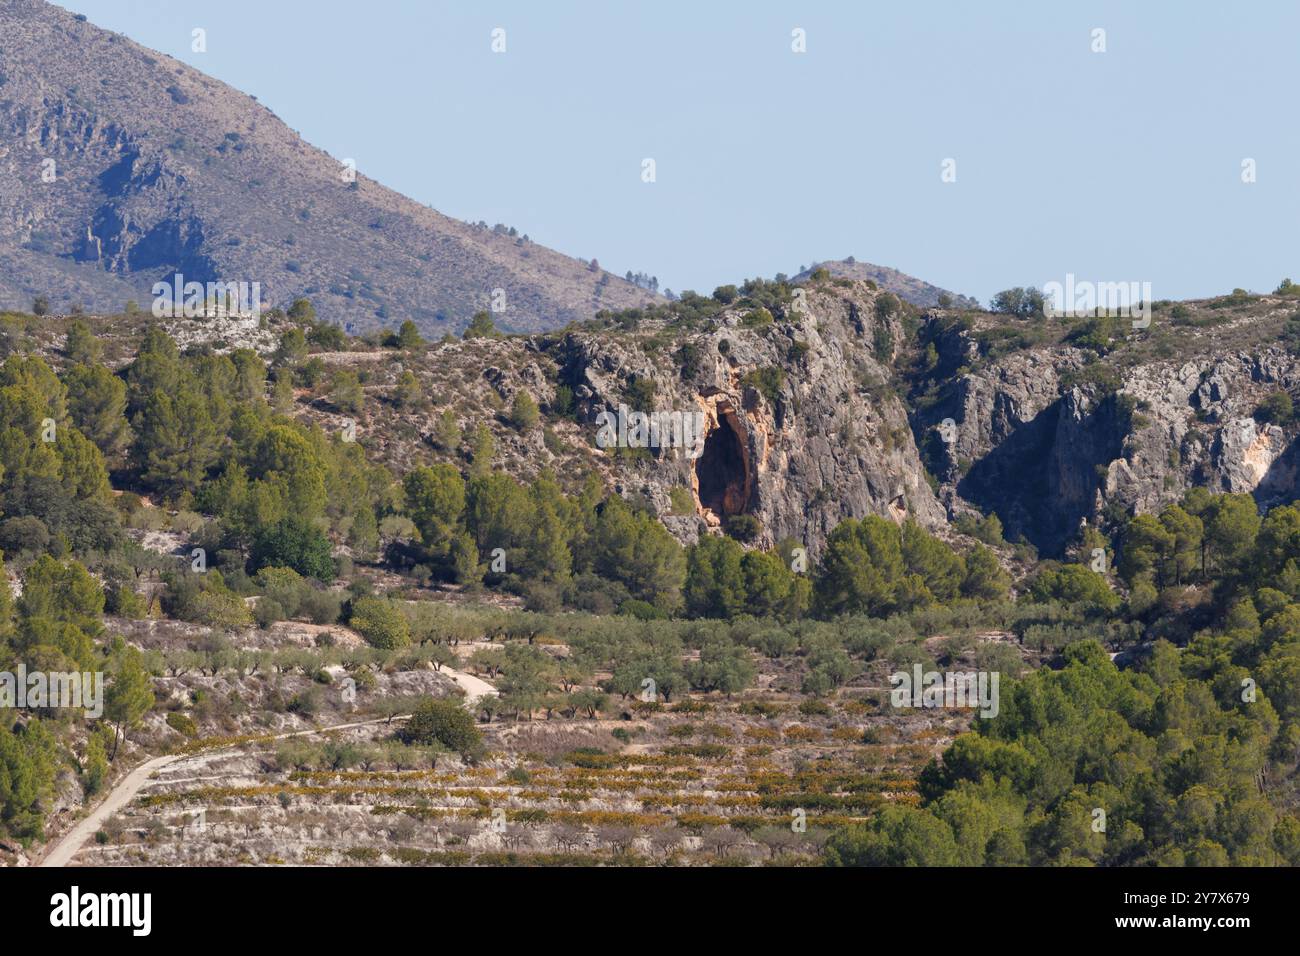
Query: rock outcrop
1036, 441
800, 430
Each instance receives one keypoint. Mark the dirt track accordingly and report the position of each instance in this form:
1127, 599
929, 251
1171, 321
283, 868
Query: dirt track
66, 848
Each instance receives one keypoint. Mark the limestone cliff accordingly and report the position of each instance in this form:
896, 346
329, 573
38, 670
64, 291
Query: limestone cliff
1054, 434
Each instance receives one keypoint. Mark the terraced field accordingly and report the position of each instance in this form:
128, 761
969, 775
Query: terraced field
695, 783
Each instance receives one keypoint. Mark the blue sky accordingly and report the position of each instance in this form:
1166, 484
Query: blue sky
1115, 166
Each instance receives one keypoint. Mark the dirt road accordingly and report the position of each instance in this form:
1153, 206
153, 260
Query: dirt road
471, 685
61, 853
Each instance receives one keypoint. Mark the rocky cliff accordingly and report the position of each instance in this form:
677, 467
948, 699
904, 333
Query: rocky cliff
801, 428
1054, 434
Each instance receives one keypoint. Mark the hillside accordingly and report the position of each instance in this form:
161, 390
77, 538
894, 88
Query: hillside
292, 552
157, 169
834, 409
906, 287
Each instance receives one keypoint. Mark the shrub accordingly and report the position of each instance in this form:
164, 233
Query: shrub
204, 599
121, 599
182, 724
294, 543
523, 411
283, 586
267, 612
768, 382
321, 607
445, 723
683, 503
307, 703
1277, 409
481, 326
743, 527
381, 623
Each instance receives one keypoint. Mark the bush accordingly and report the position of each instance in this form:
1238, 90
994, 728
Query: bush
481, 326
307, 703
1073, 584
1277, 409
294, 543
445, 723
204, 599
121, 599
283, 587
381, 623
642, 610
768, 382
183, 724
523, 411
1023, 303
743, 527
25, 535
321, 607
267, 612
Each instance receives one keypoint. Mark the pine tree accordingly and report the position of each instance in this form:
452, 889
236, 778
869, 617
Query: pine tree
284, 458
447, 431
6, 601
464, 558
97, 406
408, 336
546, 551
483, 448
481, 326
435, 501
129, 696
985, 579
81, 347
177, 441
157, 368
862, 568
282, 393
407, 393
715, 578
523, 411
33, 375
250, 377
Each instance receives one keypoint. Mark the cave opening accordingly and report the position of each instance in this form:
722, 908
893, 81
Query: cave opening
721, 469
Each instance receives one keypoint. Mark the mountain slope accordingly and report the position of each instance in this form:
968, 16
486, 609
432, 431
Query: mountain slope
120, 166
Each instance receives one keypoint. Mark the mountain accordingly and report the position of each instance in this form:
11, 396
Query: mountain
906, 287
121, 166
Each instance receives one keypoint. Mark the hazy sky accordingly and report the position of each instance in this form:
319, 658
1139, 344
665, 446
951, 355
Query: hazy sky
1115, 166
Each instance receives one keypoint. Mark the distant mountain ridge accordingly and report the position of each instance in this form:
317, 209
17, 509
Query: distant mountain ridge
120, 166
